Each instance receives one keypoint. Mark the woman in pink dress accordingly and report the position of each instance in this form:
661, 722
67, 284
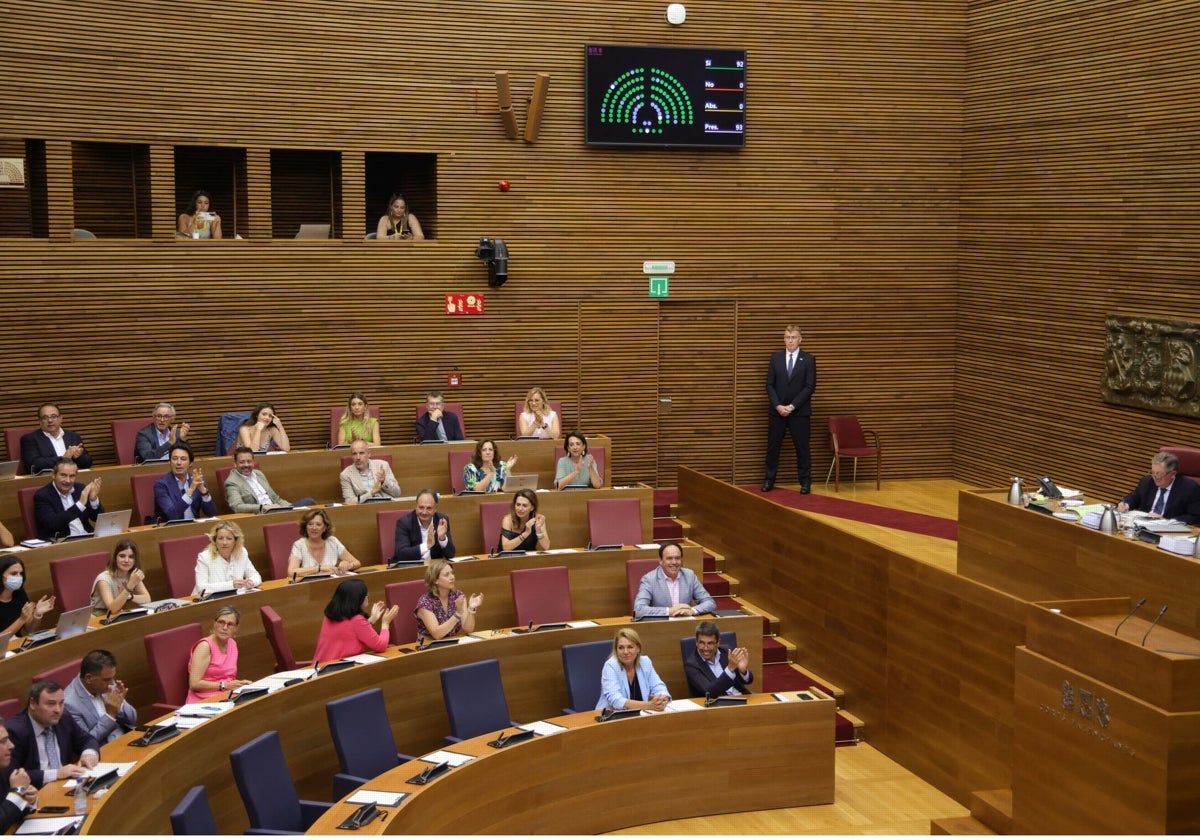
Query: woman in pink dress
346, 630
213, 667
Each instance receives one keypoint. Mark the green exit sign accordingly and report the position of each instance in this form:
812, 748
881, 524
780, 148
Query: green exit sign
660, 287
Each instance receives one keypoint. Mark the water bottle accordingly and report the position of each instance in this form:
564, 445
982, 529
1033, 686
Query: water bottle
1108, 520
80, 798
1014, 492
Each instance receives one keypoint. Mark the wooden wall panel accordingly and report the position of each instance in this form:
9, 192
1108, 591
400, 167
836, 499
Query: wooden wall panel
1079, 194
841, 213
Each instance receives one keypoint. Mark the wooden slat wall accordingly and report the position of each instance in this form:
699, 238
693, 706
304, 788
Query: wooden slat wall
841, 214
1080, 190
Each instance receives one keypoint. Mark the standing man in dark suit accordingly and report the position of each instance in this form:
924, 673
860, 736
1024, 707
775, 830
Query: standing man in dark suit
65, 508
712, 670
437, 423
1165, 493
47, 742
423, 534
20, 795
154, 441
182, 494
791, 380
41, 449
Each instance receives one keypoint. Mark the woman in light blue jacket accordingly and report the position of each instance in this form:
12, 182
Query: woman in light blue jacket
628, 680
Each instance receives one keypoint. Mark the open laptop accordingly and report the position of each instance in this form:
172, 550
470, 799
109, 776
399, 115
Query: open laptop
313, 232
519, 481
70, 623
113, 522
8, 469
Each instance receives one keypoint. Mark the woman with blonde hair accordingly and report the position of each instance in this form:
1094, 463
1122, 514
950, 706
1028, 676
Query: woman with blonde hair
539, 419
225, 563
357, 422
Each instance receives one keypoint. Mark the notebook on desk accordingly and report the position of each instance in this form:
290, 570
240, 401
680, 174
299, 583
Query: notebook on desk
113, 522
70, 623
519, 481
313, 232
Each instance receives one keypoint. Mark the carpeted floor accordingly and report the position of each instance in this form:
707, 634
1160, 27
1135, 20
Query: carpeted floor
917, 523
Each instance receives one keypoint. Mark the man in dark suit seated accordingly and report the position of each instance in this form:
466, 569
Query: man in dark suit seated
47, 742
96, 699
154, 442
670, 589
181, 494
1165, 493
41, 449
65, 508
21, 796
437, 423
713, 670
423, 534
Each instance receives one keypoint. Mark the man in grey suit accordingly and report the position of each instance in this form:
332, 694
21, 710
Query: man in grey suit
670, 589
247, 489
96, 699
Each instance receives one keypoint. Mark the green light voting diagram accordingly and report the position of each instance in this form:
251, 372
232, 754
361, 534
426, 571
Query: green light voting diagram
646, 99
665, 97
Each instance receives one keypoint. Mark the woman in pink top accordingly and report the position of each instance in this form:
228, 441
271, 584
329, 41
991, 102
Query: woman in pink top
213, 666
346, 630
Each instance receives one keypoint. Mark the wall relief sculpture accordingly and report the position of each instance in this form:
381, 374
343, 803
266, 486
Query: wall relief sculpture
1152, 363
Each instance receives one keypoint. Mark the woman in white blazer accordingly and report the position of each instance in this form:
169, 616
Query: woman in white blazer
628, 679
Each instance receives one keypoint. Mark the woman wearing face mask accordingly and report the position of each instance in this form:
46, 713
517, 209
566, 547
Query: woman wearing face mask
17, 613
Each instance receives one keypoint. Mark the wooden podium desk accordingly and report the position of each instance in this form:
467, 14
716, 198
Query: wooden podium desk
599, 777
310, 473
1038, 558
1107, 732
597, 579
531, 669
354, 525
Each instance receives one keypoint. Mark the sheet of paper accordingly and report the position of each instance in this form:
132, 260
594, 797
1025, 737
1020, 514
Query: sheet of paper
367, 658
543, 728
45, 825
204, 710
578, 624
452, 758
386, 798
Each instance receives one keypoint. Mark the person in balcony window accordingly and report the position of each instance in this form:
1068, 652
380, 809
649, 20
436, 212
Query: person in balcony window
198, 221
397, 223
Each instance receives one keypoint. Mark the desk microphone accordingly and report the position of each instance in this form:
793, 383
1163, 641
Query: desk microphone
1136, 607
1153, 623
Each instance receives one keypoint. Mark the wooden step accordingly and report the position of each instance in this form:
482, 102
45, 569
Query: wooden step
958, 825
775, 652
993, 808
770, 622
717, 585
667, 529
849, 729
